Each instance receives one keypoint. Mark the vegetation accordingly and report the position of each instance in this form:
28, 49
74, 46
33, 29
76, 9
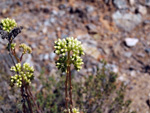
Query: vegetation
97, 94
92, 94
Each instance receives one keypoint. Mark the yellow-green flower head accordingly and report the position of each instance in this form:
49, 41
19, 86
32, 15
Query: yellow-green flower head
26, 49
24, 73
8, 24
74, 110
13, 45
68, 45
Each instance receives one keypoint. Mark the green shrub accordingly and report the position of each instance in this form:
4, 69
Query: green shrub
97, 94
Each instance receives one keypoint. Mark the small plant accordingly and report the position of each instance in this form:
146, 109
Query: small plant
24, 73
69, 51
96, 94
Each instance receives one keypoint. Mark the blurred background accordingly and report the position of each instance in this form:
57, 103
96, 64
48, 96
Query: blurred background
115, 30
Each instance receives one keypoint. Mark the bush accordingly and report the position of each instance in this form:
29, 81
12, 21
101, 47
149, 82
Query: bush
97, 94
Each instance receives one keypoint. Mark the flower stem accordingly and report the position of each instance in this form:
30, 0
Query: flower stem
66, 91
70, 91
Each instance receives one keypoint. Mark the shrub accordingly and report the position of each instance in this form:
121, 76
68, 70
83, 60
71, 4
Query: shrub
97, 94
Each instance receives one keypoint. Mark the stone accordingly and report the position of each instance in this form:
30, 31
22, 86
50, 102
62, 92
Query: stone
120, 4
142, 10
132, 2
127, 54
52, 55
91, 50
46, 56
113, 68
126, 21
44, 30
133, 73
28, 58
89, 9
147, 50
147, 2
130, 42
91, 28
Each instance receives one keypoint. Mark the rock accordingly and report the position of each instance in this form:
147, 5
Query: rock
44, 30
127, 21
62, 6
130, 42
147, 50
61, 13
28, 58
127, 54
142, 10
52, 56
140, 54
133, 73
52, 20
46, 23
91, 28
147, 2
41, 57
106, 1
113, 67
89, 9
120, 4
46, 56
132, 2
91, 50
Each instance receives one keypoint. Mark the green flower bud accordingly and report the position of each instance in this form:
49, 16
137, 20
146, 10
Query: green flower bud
69, 45
8, 24
25, 73
74, 110
26, 49
13, 45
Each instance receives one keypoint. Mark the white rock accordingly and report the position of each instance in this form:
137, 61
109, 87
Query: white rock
132, 2
142, 10
131, 41
46, 56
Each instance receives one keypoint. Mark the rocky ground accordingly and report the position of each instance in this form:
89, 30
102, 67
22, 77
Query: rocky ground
116, 30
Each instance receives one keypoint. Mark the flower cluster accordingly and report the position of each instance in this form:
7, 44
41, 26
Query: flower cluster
75, 50
26, 49
8, 24
13, 45
74, 110
24, 74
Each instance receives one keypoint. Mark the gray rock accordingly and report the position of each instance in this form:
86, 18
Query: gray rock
112, 67
91, 28
28, 58
89, 9
52, 56
46, 23
127, 21
147, 50
147, 2
52, 20
61, 13
128, 54
46, 56
130, 42
91, 50
120, 4
41, 57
